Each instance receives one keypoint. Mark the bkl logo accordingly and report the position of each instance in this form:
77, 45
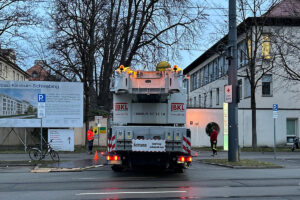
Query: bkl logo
121, 106
177, 107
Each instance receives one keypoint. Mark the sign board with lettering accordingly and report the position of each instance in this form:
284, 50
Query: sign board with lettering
22, 103
149, 145
228, 93
61, 139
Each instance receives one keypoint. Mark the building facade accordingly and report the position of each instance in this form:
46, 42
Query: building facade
208, 78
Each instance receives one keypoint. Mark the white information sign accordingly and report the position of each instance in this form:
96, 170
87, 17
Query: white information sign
41, 109
62, 139
149, 145
228, 93
60, 104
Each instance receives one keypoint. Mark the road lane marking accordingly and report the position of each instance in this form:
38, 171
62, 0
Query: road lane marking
150, 192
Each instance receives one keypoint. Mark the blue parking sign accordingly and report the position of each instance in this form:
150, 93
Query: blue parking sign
275, 107
41, 97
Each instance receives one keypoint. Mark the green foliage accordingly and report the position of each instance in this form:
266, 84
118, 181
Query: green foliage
97, 112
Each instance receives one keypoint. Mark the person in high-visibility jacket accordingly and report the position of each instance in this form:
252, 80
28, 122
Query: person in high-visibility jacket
90, 138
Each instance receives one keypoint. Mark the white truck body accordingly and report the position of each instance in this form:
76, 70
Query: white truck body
149, 114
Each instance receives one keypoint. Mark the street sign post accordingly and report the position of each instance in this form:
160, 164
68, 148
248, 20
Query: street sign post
275, 116
41, 113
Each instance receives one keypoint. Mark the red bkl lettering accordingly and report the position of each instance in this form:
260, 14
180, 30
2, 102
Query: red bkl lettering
177, 106
121, 107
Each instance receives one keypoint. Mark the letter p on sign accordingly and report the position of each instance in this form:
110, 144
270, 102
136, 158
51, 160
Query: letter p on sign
41, 97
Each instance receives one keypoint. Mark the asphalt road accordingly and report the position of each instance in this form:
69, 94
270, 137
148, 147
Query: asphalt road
200, 181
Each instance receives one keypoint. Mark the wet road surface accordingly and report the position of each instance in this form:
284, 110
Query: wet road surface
201, 181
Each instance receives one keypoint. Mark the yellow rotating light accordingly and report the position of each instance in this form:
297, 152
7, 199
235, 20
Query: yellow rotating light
162, 66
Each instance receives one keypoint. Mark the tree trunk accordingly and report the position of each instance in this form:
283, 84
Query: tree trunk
253, 113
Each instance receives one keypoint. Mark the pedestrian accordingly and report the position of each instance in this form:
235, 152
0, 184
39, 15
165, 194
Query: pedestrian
90, 138
213, 140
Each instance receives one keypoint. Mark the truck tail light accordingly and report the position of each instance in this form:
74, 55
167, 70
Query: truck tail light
189, 159
181, 159
115, 157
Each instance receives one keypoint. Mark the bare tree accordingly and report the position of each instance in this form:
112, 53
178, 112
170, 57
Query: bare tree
287, 51
15, 14
257, 48
142, 32
94, 37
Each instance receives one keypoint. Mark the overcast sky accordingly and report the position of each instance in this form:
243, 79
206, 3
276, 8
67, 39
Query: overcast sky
216, 13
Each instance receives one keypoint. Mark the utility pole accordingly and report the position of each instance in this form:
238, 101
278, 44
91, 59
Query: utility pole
233, 150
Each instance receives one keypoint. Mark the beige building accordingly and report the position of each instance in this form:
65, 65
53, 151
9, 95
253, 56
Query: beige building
9, 70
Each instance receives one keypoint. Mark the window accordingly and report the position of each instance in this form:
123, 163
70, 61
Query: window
240, 88
210, 105
18, 77
267, 85
201, 77
217, 96
195, 101
14, 75
247, 88
199, 100
206, 74
34, 74
198, 78
291, 129
205, 99
191, 102
5, 71
211, 72
265, 49
216, 69
1, 69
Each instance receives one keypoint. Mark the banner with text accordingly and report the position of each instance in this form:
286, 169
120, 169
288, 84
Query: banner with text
58, 104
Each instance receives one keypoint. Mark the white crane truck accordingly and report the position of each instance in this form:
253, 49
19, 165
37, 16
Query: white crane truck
149, 116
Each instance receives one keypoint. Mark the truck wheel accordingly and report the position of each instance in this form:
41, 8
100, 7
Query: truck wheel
117, 168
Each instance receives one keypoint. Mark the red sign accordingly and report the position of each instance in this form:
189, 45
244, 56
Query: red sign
177, 107
121, 106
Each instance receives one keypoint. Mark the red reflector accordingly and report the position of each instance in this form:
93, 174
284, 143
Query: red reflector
102, 153
189, 159
108, 157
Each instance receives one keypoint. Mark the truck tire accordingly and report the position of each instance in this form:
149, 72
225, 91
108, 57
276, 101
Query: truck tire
117, 168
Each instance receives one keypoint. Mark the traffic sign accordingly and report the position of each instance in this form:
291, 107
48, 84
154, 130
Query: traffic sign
41, 97
228, 93
275, 107
275, 111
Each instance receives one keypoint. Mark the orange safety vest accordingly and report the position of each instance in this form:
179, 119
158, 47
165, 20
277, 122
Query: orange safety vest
90, 135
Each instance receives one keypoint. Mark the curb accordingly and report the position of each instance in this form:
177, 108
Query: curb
244, 167
37, 169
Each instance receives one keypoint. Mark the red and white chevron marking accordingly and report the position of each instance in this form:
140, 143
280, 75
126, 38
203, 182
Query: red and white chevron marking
111, 144
186, 145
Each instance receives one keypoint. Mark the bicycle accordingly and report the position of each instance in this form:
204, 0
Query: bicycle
36, 154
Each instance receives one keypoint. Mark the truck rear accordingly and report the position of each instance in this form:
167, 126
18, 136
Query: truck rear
149, 115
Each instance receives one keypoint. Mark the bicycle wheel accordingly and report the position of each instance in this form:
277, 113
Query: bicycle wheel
54, 155
35, 154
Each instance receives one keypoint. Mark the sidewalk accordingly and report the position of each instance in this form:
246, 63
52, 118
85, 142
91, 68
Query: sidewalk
285, 159
75, 160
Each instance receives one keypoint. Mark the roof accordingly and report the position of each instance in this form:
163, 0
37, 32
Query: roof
241, 28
